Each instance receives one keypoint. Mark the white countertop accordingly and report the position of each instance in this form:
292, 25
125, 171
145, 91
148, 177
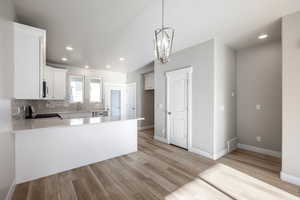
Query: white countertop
29, 124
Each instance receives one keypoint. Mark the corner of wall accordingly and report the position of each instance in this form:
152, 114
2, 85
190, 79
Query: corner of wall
290, 178
11, 191
224, 86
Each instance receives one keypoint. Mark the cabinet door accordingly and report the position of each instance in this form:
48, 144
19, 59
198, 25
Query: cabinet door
59, 84
49, 78
151, 81
27, 65
29, 57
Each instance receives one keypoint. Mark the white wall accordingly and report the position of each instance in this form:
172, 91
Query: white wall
259, 82
144, 99
224, 102
214, 109
291, 97
6, 93
201, 58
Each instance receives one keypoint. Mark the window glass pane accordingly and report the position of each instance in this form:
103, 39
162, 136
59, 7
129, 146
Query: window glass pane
76, 89
95, 90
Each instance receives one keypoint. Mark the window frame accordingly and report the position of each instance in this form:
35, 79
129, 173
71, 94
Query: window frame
88, 89
70, 78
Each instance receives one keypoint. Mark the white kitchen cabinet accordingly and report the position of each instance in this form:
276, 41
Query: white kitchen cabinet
49, 79
29, 56
55, 79
149, 81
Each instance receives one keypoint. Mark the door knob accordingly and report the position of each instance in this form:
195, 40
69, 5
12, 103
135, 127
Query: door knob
169, 113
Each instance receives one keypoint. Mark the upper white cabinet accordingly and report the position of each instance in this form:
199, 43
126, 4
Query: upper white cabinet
149, 81
55, 83
29, 53
48, 82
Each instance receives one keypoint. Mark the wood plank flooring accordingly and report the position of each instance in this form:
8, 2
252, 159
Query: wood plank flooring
160, 171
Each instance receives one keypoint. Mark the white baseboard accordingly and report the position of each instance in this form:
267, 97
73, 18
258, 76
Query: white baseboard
145, 127
260, 150
290, 178
220, 154
11, 191
161, 139
232, 144
200, 152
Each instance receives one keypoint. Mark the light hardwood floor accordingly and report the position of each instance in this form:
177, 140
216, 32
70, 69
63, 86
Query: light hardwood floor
160, 171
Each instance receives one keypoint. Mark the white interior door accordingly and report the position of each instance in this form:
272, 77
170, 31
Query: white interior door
115, 102
131, 99
178, 106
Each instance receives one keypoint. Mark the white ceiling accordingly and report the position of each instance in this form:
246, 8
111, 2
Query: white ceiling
102, 31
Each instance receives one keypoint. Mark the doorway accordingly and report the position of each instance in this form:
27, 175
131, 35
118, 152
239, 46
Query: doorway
131, 99
179, 107
115, 98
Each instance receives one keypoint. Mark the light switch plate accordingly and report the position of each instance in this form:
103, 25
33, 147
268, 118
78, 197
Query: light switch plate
258, 138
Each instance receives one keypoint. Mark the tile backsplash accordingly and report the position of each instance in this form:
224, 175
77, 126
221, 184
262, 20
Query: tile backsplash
50, 106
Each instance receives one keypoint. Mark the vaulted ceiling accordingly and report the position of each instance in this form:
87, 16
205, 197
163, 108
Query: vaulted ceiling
102, 31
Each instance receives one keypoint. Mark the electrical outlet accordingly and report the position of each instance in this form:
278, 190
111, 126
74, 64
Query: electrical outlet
232, 94
258, 107
258, 138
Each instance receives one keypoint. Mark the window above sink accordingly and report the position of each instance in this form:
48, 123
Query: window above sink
85, 89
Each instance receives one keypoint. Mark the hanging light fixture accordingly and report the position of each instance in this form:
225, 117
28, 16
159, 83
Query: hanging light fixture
163, 40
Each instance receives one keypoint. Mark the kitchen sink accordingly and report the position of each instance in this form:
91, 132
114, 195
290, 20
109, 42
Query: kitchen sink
42, 116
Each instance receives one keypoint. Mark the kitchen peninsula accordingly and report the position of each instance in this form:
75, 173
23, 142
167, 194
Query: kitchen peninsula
48, 146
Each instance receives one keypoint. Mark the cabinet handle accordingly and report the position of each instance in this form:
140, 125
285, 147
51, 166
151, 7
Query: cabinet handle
44, 89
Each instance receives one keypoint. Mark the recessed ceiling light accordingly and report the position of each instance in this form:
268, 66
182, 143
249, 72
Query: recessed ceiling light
86, 66
122, 59
69, 48
108, 66
263, 36
64, 59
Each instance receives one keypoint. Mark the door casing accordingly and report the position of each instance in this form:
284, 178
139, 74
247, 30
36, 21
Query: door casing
128, 111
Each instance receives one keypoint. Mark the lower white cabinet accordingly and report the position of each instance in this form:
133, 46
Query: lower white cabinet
55, 79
